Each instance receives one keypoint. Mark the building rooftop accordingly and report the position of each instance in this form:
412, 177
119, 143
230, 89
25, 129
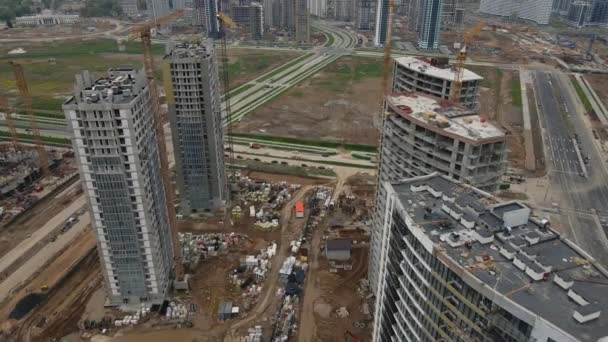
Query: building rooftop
189, 49
121, 85
339, 245
513, 253
438, 114
442, 71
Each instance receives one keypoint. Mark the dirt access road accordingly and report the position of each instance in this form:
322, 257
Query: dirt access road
289, 232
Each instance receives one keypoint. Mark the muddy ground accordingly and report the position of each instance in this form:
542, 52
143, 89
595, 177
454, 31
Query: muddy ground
339, 104
496, 103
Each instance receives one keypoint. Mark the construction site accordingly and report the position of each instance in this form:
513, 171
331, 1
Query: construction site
287, 258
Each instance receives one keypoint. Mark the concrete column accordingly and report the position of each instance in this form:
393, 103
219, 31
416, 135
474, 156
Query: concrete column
453, 158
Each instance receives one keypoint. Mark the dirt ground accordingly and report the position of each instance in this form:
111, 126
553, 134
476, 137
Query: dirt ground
326, 291
271, 177
72, 278
496, 104
35, 218
97, 26
338, 103
599, 82
336, 290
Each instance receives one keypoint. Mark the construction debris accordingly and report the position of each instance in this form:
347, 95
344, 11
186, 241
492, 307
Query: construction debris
342, 312
197, 246
265, 200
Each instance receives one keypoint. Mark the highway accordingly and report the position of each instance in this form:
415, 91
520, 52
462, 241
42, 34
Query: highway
273, 83
585, 197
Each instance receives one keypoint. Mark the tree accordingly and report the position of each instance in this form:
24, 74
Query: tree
7, 14
9, 9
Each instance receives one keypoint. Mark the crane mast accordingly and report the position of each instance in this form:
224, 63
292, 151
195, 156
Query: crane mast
8, 118
144, 32
24, 91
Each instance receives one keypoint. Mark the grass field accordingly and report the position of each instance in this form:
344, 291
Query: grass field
491, 75
28, 137
51, 71
582, 95
346, 70
329, 144
516, 92
330, 40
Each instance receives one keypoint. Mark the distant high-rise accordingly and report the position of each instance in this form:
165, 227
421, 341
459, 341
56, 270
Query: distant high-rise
250, 17
429, 21
256, 22
343, 10
412, 15
129, 7
363, 14
381, 23
302, 21
117, 150
538, 11
192, 84
578, 14
287, 15
198, 14
561, 7
318, 8
581, 13
179, 4
158, 8
268, 13
209, 18
452, 15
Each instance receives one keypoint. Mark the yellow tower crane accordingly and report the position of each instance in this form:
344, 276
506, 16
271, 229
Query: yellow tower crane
461, 59
143, 32
225, 21
8, 118
24, 91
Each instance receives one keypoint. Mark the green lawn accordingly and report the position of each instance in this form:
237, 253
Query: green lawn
283, 169
67, 49
329, 144
491, 75
50, 82
28, 137
330, 40
337, 76
516, 92
582, 96
246, 64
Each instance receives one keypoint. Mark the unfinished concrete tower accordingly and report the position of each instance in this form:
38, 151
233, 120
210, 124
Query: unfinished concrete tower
117, 149
190, 72
424, 134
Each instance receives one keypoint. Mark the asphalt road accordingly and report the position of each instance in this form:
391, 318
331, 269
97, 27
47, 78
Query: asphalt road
583, 200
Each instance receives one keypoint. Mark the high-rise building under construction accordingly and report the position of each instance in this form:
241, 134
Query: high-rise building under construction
117, 149
190, 71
